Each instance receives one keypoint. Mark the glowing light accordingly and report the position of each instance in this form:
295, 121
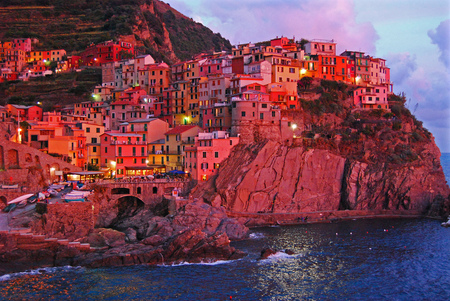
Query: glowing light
303, 71
358, 78
52, 169
294, 126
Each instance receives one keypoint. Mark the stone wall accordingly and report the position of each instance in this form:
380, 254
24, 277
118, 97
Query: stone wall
71, 221
15, 157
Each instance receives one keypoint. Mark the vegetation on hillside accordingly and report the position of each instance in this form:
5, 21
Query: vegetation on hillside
48, 91
73, 25
336, 125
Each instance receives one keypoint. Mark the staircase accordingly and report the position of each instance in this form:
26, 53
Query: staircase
25, 240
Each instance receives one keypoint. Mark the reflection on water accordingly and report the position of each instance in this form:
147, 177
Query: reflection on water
358, 260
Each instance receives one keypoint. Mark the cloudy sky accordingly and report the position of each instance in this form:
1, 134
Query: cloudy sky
412, 35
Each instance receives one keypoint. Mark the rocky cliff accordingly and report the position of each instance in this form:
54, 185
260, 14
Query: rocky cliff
371, 160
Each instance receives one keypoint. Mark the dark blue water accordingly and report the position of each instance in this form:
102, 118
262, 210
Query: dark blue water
384, 259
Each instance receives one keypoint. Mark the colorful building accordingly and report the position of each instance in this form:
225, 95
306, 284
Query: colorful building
125, 154
202, 160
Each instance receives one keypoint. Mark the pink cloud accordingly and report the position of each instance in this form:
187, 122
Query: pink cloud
440, 36
261, 20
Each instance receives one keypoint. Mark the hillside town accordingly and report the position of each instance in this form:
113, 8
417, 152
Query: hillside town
148, 118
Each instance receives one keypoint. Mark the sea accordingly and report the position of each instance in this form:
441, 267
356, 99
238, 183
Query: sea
363, 259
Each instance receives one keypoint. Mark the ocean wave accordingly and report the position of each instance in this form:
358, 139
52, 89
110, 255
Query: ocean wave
256, 235
40, 271
280, 255
183, 263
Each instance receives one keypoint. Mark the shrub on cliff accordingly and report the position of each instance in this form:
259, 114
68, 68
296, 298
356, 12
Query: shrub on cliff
396, 126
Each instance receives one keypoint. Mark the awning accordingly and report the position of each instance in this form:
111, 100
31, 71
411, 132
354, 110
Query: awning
85, 173
138, 168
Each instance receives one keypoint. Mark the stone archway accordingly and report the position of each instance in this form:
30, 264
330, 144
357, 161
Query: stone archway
127, 208
13, 158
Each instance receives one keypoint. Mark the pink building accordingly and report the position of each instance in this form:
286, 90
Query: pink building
124, 153
371, 97
22, 44
203, 160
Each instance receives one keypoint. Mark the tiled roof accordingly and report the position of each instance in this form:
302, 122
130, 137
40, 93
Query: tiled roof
180, 129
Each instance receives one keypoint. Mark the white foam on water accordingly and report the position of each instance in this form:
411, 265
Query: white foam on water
183, 263
39, 271
280, 256
256, 235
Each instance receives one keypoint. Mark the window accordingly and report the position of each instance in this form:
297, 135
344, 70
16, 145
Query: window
216, 154
204, 154
94, 149
106, 150
264, 106
231, 142
243, 113
273, 113
261, 116
34, 137
88, 130
93, 140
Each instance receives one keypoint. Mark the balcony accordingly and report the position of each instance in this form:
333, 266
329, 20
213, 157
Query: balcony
128, 142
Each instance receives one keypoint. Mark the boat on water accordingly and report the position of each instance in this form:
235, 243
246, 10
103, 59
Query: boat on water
76, 196
447, 223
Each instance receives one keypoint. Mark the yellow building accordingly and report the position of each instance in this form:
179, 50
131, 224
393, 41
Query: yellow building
92, 133
176, 141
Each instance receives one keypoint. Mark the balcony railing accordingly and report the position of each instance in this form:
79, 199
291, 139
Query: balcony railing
128, 142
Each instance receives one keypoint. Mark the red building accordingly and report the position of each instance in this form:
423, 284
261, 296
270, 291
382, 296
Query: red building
124, 153
73, 62
105, 52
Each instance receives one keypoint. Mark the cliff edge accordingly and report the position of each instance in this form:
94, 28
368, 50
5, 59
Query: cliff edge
345, 159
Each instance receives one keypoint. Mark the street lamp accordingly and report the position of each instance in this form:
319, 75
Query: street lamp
294, 127
113, 167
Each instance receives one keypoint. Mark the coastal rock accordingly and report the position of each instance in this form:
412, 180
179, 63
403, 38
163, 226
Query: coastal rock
154, 240
130, 235
105, 238
210, 219
266, 252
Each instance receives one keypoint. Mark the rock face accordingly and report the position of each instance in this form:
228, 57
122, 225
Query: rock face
195, 233
271, 177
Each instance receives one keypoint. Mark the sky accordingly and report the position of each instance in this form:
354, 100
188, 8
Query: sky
412, 35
